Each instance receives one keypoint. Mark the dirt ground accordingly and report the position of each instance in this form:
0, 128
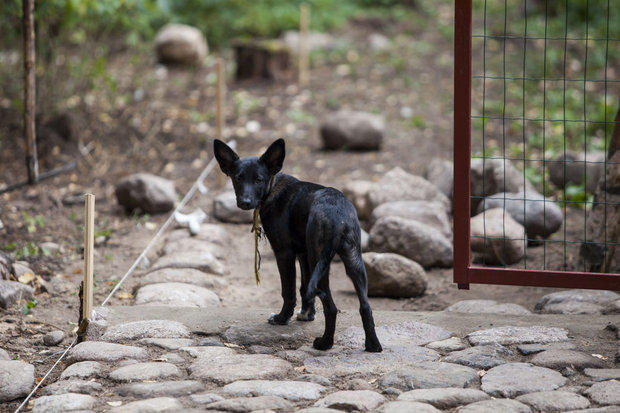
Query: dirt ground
160, 120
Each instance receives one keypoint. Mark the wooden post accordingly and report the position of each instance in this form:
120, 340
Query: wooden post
219, 110
32, 164
89, 246
304, 49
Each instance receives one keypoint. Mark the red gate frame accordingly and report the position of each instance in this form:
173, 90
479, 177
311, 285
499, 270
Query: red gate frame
464, 272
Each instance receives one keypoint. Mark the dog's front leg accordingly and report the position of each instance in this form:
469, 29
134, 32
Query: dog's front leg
286, 267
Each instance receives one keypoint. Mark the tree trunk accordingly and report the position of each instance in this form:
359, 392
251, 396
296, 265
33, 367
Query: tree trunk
32, 164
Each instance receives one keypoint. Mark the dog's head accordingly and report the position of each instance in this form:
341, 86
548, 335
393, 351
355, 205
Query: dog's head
250, 176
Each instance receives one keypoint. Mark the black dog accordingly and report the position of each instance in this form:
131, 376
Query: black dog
306, 221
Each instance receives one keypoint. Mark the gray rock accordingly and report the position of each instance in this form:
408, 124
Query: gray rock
286, 336
518, 335
448, 345
72, 386
226, 210
398, 185
225, 368
146, 328
346, 362
205, 398
612, 307
352, 131
541, 217
496, 238
145, 371
179, 244
444, 398
552, 401
16, 379
577, 168
6, 262
318, 410
527, 349
440, 172
314, 378
487, 307
203, 260
412, 333
161, 388
605, 392
378, 42
250, 404
400, 406
105, 352
514, 379
607, 409
82, 370
156, 405
12, 291
480, 357
168, 343
61, 403
558, 359
575, 301
53, 338
176, 294
411, 239
492, 176
496, 405
357, 193
180, 44
209, 351
210, 233
182, 275
149, 193
432, 214
291, 390
430, 375
20, 268
357, 400
392, 275
602, 374
4, 355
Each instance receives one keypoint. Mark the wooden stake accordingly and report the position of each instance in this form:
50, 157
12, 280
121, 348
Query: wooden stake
219, 110
89, 246
304, 23
32, 164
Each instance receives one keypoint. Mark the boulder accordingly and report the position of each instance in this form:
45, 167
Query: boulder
540, 216
357, 193
180, 44
352, 131
497, 238
491, 176
149, 193
440, 172
411, 239
398, 185
12, 291
428, 213
392, 275
577, 168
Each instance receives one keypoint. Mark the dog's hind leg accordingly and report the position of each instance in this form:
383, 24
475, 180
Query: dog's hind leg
356, 271
307, 311
286, 267
330, 311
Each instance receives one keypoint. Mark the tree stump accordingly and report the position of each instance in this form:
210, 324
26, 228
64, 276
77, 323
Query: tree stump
263, 59
600, 251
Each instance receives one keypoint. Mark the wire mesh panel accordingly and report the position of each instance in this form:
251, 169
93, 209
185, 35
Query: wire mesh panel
536, 128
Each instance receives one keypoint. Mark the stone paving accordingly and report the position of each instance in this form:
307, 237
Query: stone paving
178, 350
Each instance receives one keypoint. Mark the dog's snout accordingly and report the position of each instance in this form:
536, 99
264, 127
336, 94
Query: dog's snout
244, 203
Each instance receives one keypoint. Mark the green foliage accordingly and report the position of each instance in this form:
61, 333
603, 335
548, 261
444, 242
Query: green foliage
32, 223
28, 306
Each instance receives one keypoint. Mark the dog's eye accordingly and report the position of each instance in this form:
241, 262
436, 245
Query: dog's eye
236, 179
259, 180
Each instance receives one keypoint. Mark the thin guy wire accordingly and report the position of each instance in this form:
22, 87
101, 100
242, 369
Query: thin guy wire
523, 124
564, 125
484, 71
544, 135
504, 128
585, 125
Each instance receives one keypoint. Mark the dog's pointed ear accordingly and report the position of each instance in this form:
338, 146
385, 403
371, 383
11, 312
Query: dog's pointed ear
225, 156
274, 156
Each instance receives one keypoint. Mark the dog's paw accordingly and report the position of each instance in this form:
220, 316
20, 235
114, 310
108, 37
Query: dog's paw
374, 347
277, 319
320, 343
307, 315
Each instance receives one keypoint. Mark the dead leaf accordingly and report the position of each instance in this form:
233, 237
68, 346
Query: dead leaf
125, 295
26, 278
115, 404
77, 270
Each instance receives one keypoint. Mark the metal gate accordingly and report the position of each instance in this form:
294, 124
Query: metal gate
532, 81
